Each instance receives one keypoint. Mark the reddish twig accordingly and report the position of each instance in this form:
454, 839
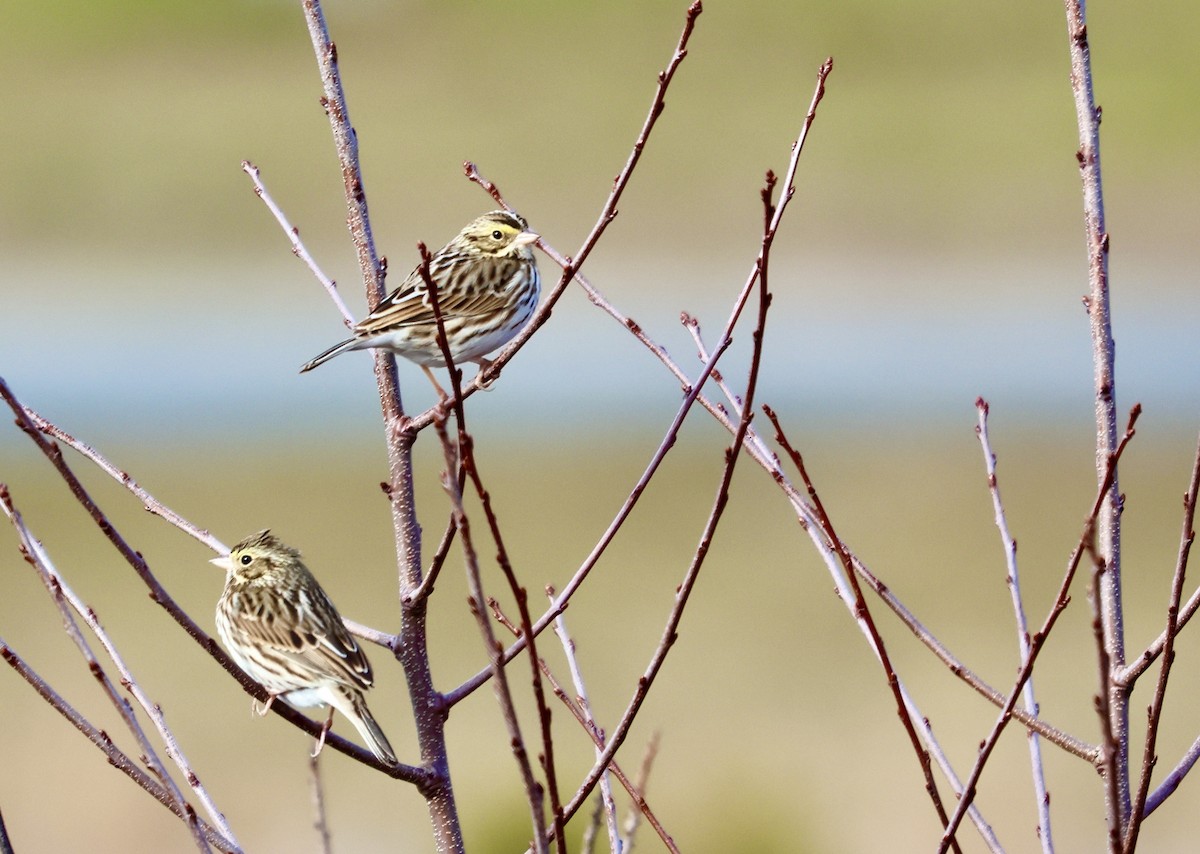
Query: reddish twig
607, 213
158, 593
732, 455
494, 648
115, 756
863, 615
1154, 714
1039, 639
635, 789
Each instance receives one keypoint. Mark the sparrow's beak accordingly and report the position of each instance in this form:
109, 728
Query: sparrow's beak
224, 562
526, 238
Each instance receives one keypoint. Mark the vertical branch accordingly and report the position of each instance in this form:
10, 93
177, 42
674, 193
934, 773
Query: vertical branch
468, 468
495, 649
1103, 353
1108, 738
320, 820
1038, 641
429, 709
1014, 587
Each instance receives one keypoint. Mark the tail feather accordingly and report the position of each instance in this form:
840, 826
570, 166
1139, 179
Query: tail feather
369, 730
335, 350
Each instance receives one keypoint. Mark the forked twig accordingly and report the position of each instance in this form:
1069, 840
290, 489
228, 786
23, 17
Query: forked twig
634, 789
320, 819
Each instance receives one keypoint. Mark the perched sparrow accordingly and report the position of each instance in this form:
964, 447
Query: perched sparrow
280, 627
487, 288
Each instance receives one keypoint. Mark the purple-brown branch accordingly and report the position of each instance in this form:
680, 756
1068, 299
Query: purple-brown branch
634, 788
1154, 714
158, 593
1038, 641
862, 613
466, 466
116, 757
495, 649
411, 648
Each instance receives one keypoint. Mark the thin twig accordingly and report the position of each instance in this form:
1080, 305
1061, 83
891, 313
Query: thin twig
692, 392
1038, 640
1172, 780
1186, 538
862, 614
320, 819
157, 508
1009, 545
635, 791
116, 757
585, 706
298, 247
495, 649
732, 455
66, 601
421, 777
467, 467
643, 779
607, 213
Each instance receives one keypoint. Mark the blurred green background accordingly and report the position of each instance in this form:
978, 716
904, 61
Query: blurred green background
933, 253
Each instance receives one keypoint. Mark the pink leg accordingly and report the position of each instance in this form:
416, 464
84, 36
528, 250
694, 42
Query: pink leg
321, 739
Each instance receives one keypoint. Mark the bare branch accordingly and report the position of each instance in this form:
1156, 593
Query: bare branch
1009, 545
607, 213
298, 247
1108, 532
419, 776
594, 733
115, 756
1038, 641
533, 789
589, 721
1186, 538
320, 820
66, 601
411, 647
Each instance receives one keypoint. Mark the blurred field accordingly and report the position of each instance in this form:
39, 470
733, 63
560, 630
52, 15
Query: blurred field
778, 734
933, 253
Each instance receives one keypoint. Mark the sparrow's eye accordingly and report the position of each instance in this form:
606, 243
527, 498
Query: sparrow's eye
246, 559
497, 234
